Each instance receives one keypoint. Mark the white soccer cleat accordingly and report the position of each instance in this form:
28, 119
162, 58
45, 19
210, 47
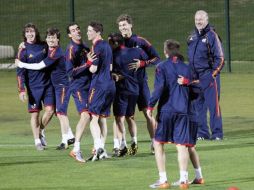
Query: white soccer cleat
160, 185
77, 156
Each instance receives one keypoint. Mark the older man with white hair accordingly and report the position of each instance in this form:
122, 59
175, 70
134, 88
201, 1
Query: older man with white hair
206, 59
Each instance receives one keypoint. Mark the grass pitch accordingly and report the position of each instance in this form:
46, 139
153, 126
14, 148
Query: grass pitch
225, 163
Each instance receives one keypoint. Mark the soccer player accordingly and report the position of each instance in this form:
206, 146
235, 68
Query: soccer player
206, 59
55, 63
80, 79
132, 40
173, 120
127, 86
37, 83
102, 90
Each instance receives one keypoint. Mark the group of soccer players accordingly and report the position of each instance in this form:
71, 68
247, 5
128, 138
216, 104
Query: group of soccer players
111, 72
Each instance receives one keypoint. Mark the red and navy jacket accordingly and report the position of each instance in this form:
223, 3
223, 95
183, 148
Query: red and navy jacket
102, 77
172, 97
146, 46
122, 57
205, 54
55, 62
32, 53
75, 58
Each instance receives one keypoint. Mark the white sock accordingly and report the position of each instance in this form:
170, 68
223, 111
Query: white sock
64, 138
43, 132
183, 176
97, 143
37, 141
134, 139
163, 177
123, 144
70, 134
198, 173
116, 143
76, 147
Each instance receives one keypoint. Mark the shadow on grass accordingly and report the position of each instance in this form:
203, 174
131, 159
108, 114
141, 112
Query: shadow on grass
25, 162
231, 181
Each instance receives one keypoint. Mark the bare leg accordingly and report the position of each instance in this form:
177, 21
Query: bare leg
132, 126
160, 156
48, 114
150, 123
104, 129
84, 119
35, 124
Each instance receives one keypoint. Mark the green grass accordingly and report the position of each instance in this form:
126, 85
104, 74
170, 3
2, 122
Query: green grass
226, 163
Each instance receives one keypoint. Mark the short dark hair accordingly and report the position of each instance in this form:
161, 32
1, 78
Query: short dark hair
68, 27
37, 34
172, 48
97, 26
124, 17
115, 39
52, 32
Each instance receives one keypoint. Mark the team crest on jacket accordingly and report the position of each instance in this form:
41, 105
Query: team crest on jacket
30, 56
204, 40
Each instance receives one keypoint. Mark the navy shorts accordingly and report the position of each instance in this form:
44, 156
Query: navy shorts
173, 128
80, 96
100, 100
39, 95
62, 99
124, 105
144, 95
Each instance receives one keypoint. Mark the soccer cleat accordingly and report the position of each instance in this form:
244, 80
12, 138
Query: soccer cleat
77, 156
39, 147
184, 185
62, 146
100, 154
160, 185
71, 141
133, 149
115, 152
43, 139
199, 181
122, 152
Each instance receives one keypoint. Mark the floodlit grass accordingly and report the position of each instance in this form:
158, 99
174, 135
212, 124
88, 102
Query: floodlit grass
226, 163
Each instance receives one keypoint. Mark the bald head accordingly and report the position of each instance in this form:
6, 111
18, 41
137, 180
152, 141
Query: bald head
201, 19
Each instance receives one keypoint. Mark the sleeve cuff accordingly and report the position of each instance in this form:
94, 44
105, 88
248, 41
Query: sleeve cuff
142, 63
89, 63
150, 108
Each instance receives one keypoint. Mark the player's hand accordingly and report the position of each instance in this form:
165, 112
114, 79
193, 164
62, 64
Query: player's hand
115, 77
22, 45
182, 80
22, 96
135, 65
91, 56
17, 63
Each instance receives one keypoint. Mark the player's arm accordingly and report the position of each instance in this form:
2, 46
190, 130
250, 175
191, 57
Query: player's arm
94, 65
139, 63
21, 75
153, 56
217, 54
48, 61
159, 82
91, 57
69, 60
32, 66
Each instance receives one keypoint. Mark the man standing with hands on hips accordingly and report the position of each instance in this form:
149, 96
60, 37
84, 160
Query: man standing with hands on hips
206, 59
